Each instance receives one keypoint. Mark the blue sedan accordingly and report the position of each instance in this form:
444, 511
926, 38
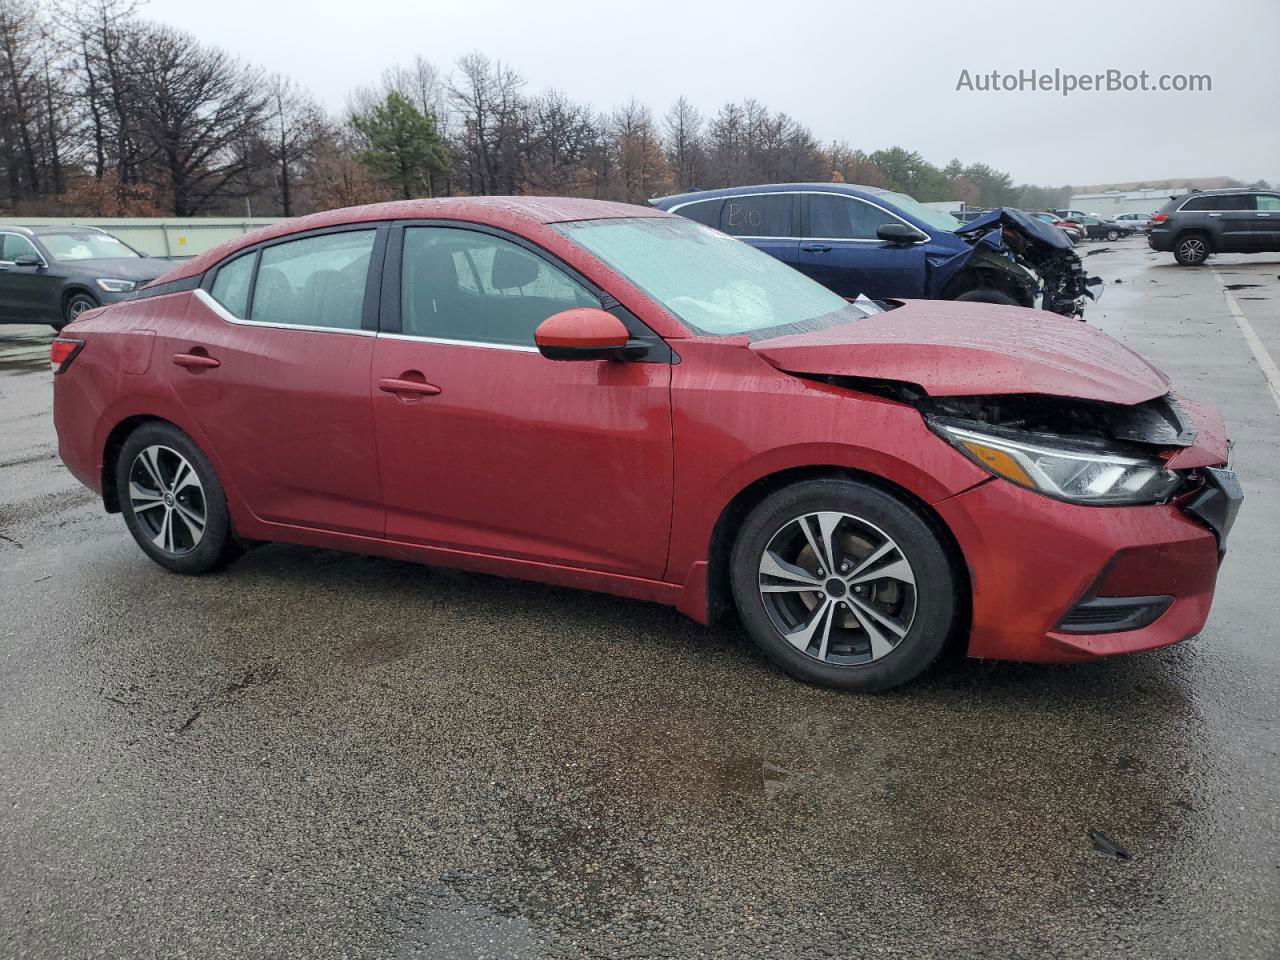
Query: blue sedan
866, 241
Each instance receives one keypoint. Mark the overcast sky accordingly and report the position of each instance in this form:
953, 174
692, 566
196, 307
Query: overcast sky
874, 73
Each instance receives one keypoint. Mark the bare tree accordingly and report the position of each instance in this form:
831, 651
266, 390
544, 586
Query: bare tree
293, 125
686, 155
195, 105
491, 115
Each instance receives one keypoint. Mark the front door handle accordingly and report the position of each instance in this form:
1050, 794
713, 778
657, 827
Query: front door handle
816, 248
196, 361
416, 388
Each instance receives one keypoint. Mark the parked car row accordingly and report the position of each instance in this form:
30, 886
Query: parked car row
616, 398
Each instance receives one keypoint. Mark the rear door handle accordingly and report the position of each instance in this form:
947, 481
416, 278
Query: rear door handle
816, 248
196, 361
415, 388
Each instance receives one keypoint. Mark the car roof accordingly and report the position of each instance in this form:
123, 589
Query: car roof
64, 228
514, 213
23, 230
852, 189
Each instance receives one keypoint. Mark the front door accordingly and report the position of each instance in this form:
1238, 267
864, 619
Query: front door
272, 363
484, 445
839, 248
28, 294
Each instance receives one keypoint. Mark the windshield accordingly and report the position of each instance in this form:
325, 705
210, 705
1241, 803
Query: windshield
713, 283
86, 246
934, 218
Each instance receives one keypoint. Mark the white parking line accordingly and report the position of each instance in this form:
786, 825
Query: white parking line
1260, 353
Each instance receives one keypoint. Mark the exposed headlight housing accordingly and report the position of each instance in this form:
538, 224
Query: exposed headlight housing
116, 286
1078, 474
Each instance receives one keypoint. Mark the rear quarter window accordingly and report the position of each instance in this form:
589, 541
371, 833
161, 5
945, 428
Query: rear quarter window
231, 285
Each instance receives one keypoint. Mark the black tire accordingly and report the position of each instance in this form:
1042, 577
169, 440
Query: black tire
988, 295
76, 304
934, 599
1113, 235
1191, 249
216, 546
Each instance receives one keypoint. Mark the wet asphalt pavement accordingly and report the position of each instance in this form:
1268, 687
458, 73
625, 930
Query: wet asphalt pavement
315, 754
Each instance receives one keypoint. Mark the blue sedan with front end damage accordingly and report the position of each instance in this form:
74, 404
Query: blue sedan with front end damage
867, 241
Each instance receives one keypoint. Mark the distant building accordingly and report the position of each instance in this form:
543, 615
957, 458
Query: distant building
1124, 201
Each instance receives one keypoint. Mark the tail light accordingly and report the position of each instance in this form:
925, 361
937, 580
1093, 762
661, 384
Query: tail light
1160, 218
62, 351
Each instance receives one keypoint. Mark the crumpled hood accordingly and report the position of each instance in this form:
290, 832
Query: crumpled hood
1030, 227
953, 349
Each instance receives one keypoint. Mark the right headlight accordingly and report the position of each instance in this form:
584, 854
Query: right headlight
1077, 474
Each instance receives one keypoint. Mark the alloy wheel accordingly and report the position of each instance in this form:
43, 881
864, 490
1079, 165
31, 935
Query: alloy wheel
837, 588
77, 306
167, 499
1192, 249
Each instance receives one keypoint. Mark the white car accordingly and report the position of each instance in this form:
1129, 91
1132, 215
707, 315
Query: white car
1138, 221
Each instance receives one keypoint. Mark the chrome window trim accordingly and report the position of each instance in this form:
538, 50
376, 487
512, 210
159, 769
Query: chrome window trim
515, 347
803, 193
224, 314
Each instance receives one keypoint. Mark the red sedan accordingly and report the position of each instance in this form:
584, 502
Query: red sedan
614, 398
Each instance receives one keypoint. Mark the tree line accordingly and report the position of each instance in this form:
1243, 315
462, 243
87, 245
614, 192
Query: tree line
104, 113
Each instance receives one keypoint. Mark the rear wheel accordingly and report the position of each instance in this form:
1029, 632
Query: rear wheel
844, 585
1191, 249
1113, 235
172, 501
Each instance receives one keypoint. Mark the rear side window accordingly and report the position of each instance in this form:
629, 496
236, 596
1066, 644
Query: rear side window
1268, 202
705, 212
1237, 201
474, 287
760, 215
844, 218
315, 281
231, 285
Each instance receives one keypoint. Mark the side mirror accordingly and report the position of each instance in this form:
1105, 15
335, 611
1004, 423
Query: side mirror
899, 233
27, 260
582, 333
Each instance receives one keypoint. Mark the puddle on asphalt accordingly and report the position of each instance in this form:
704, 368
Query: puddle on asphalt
461, 931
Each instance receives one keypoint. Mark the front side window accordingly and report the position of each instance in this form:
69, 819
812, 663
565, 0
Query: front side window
14, 246
478, 288
231, 285
314, 282
834, 217
86, 245
712, 283
758, 215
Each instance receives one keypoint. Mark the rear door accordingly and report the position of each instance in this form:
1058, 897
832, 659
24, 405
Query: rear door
1267, 221
487, 447
768, 221
839, 248
272, 362
1236, 217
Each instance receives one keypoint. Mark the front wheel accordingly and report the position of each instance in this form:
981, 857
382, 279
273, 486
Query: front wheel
844, 585
76, 304
988, 295
172, 501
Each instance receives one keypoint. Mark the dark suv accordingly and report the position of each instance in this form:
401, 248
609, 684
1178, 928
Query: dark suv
53, 274
1217, 221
